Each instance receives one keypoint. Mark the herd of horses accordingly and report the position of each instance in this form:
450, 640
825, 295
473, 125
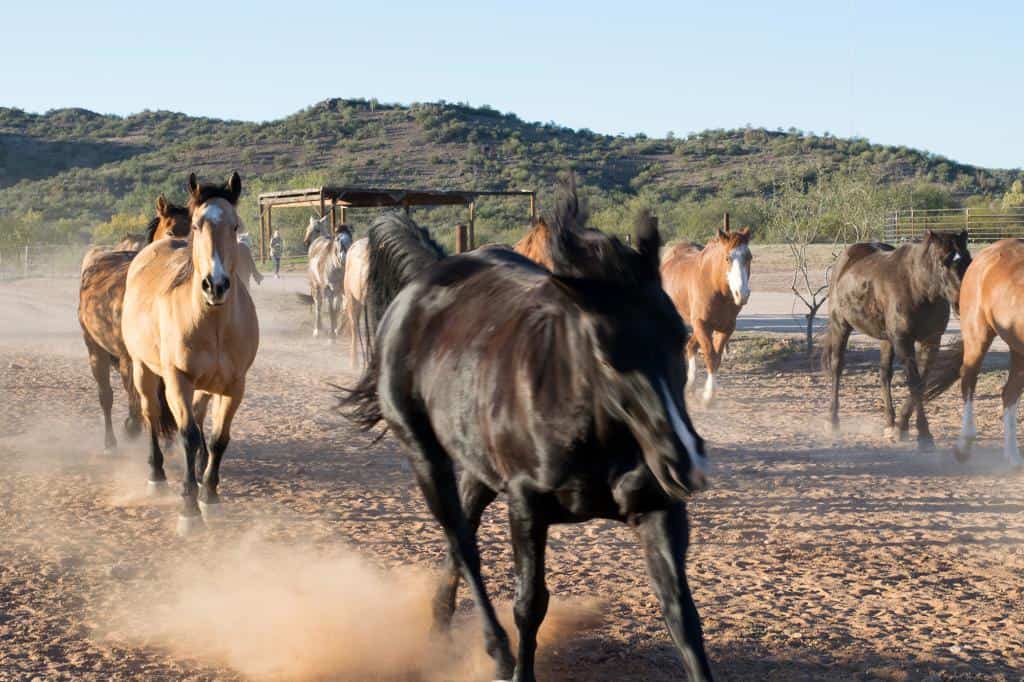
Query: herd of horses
551, 372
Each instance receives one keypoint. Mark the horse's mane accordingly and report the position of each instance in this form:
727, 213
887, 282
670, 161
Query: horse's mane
399, 250
198, 195
211, 190
183, 274
587, 253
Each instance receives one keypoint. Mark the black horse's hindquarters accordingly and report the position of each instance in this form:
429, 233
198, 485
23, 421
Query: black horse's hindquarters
483, 361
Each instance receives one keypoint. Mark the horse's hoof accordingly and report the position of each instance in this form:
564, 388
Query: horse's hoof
211, 510
190, 525
110, 450
157, 488
903, 435
962, 450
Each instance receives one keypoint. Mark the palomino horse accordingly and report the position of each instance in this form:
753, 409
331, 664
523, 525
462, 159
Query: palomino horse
187, 322
990, 305
357, 266
899, 296
100, 297
709, 287
326, 268
563, 392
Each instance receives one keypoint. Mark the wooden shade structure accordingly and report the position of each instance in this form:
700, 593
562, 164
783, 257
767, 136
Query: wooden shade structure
329, 200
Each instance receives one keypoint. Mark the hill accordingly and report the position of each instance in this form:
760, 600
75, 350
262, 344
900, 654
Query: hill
69, 169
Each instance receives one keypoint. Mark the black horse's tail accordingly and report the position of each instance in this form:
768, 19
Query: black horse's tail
945, 370
399, 251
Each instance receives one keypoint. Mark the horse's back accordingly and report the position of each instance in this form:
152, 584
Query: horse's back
680, 264
993, 290
101, 297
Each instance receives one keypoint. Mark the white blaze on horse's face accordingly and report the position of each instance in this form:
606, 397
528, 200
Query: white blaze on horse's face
215, 248
739, 274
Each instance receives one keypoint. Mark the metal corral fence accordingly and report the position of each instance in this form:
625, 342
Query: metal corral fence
41, 260
983, 224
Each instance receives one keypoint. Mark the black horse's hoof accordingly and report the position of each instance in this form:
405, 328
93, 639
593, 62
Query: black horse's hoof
190, 525
157, 488
962, 450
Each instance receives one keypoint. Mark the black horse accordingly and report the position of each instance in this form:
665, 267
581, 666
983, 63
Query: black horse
565, 392
899, 296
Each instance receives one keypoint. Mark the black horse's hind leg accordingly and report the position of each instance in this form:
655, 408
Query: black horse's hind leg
665, 537
915, 382
475, 498
529, 540
839, 335
885, 375
436, 477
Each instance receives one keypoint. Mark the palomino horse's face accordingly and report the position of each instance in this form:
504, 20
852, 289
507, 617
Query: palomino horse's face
637, 333
737, 260
951, 258
215, 248
316, 227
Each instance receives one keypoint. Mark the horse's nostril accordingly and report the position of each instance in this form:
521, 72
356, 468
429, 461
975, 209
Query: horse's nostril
227, 284
206, 284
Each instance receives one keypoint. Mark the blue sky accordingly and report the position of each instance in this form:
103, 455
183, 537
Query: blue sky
942, 76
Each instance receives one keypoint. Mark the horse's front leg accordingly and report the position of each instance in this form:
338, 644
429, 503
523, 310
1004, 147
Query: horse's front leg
704, 335
224, 410
147, 386
199, 407
317, 296
664, 536
333, 303
887, 354
904, 346
179, 392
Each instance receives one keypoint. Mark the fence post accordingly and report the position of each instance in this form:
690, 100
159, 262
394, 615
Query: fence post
461, 237
967, 222
24, 269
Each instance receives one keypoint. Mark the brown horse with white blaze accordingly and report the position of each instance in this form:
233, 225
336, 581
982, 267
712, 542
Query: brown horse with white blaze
100, 297
187, 321
709, 287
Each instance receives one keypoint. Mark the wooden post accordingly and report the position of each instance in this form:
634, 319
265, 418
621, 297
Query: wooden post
344, 218
533, 207
725, 221
472, 224
334, 217
323, 208
263, 236
270, 221
461, 237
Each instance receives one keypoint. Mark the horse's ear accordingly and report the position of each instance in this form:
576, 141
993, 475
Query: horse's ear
235, 187
648, 239
962, 239
723, 235
161, 206
193, 185
745, 234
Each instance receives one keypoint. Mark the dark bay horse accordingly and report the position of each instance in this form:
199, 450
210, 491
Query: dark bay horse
562, 391
900, 296
709, 286
100, 297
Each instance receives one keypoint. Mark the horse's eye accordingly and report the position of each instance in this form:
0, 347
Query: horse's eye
195, 227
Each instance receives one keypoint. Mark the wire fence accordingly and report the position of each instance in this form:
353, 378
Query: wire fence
41, 260
982, 224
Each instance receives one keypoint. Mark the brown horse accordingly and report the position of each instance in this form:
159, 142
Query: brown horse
357, 267
709, 287
187, 322
991, 305
534, 245
900, 296
100, 297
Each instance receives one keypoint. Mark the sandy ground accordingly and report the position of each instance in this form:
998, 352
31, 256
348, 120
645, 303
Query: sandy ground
851, 559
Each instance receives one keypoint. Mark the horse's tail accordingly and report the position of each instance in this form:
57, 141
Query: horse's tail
399, 251
945, 370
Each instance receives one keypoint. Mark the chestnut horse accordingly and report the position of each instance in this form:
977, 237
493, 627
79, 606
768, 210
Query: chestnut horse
100, 297
564, 392
187, 321
709, 287
991, 299
900, 296
534, 245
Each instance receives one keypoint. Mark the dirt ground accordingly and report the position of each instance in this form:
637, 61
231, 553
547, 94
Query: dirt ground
811, 558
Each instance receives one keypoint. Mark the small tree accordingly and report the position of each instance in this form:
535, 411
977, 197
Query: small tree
829, 209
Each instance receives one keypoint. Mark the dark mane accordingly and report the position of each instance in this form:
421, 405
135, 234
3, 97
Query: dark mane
208, 191
171, 210
587, 253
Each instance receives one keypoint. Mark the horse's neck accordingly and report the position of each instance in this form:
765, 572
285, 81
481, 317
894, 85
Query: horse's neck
918, 272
